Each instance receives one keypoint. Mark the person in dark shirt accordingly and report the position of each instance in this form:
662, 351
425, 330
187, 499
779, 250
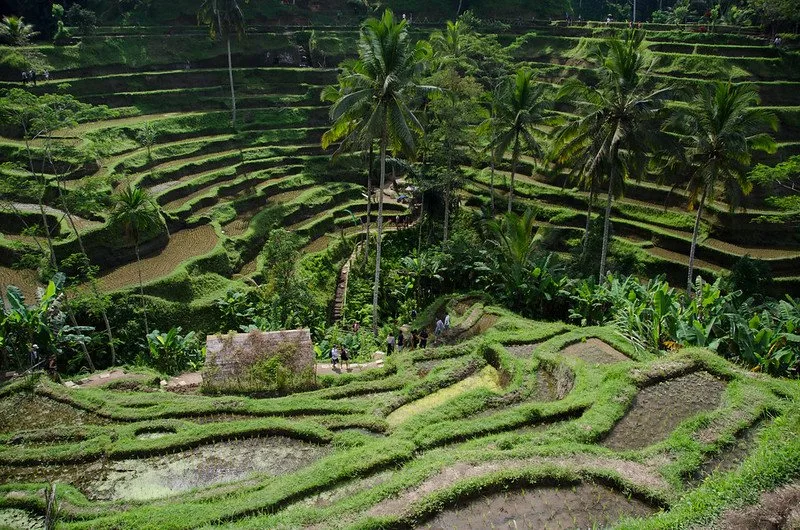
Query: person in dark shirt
423, 338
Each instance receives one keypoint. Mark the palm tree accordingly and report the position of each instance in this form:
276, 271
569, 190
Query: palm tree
15, 31
619, 124
722, 126
346, 131
375, 103
519, 112
225, 18
136, 212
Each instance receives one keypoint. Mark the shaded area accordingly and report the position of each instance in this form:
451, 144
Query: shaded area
594, 351
657, 410
580, 506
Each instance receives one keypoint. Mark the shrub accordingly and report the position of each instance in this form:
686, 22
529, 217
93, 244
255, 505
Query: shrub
172, 353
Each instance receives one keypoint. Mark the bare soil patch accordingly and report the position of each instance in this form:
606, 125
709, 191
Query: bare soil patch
594, 351
182, 246
658, 409
776, 510
583, 505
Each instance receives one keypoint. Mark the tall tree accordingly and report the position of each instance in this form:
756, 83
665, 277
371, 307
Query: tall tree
722, 126
376, 99
347, 132
519, 115
136, 212
619, 123
224, 18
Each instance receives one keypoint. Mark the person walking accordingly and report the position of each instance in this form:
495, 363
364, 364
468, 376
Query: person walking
390, 340
438, 330
24, 78
46, 75
423, 338
447, 321
335, 354
414, 339
32, 74
400, 340
345, 357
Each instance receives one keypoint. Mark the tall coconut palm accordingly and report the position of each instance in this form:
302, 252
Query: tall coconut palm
722, 126
347, 133
224, 18
519, 114
375, 102
619, 123
15, 31
136, 212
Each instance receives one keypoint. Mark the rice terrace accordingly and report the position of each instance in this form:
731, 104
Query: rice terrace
429, 264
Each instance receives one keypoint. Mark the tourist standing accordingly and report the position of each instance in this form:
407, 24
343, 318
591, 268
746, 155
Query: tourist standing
447, 321
46, 75
345, 357
32, 75
335, 356
400, 340
414, 339
390, 340
423, 338
24, 78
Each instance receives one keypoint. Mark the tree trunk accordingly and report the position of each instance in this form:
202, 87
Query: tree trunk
446, 213
606, 227
514, 158
371, 161
141, 286
491, 184
585, 242
91, 281
377, 284
458, 11
230, 77
689, 279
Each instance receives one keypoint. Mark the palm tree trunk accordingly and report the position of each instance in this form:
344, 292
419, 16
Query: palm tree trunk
141, 286
370, 157
514, 158
446, 213
491, 183
606, 227
458, 11
377, 284
585, 242
689, 279
230, 77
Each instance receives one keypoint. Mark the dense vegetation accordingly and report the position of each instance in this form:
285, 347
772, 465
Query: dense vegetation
609, 214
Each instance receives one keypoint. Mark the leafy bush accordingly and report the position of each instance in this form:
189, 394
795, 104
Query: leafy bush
172, 353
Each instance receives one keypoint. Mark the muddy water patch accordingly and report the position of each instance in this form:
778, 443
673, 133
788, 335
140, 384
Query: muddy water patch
657, 410
23, 411
20, 519
594, 351
567, 507
156, 477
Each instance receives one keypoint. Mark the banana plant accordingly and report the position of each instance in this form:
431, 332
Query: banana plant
30, 334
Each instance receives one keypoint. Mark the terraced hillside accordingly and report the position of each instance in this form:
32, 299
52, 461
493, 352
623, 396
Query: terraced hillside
511, 423
221, 188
